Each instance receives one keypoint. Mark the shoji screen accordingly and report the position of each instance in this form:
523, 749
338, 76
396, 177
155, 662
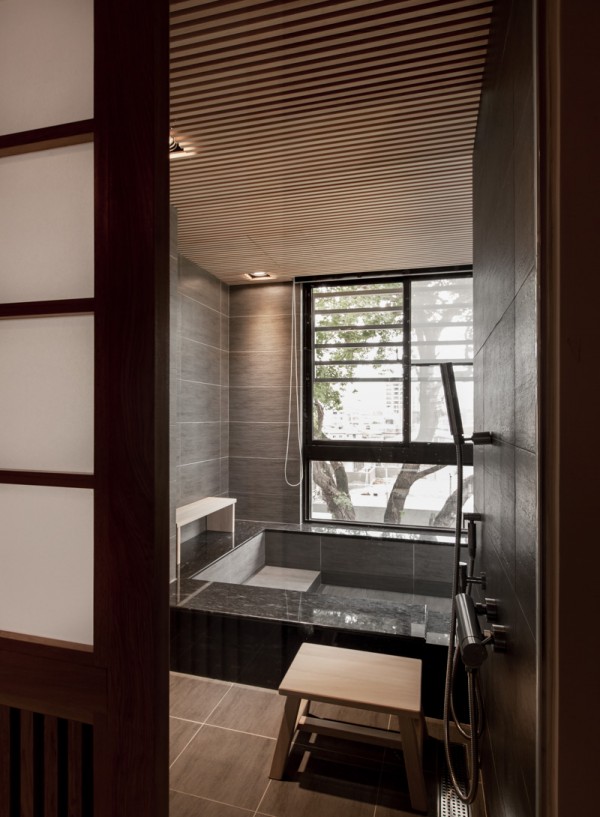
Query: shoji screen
46, 319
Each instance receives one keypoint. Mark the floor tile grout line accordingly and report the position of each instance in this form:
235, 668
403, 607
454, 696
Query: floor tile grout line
238, 731
219, 702
264, 794
211, 800
187, 720
186, 746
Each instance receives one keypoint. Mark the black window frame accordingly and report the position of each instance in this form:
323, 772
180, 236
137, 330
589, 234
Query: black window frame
364, 450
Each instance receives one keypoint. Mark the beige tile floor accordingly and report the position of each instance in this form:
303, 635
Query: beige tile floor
222, 740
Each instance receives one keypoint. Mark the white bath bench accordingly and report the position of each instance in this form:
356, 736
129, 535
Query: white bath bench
364, 680
219, 512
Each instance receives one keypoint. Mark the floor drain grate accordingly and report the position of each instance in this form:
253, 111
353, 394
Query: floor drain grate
449, 805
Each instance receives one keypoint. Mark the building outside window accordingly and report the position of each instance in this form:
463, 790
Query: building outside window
377, 447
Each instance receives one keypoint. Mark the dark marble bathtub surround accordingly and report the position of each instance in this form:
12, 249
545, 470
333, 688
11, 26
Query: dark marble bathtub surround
505, 294
215, 565
259, 373
199, 383
408, 620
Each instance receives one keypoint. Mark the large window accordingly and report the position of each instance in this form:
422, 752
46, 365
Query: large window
377, 446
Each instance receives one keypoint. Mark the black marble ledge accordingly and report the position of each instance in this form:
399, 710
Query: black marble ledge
336, 612
207, 547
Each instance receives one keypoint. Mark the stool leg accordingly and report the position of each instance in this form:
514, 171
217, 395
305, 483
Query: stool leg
284, 739
412, 741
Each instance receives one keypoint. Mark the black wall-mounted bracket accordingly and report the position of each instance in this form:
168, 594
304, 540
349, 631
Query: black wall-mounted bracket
481, 438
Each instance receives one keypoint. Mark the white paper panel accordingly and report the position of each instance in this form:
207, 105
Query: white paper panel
47, 558
47, 224
47, 394
46, 63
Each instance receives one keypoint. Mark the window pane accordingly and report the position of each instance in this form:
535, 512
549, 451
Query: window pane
358, 369
442, 320
358, 411
364, 492
429, 416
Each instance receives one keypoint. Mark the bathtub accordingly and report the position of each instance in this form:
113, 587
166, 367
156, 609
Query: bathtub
241, 606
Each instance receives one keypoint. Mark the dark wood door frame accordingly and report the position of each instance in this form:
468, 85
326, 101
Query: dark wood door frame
107, 706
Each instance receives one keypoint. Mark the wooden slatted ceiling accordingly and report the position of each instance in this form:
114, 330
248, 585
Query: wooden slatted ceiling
325, 137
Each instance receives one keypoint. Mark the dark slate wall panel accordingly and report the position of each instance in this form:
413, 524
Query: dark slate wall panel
259, 373
199, 387
505, 293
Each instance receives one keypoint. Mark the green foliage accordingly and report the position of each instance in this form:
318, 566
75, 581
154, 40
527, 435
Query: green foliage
355, 328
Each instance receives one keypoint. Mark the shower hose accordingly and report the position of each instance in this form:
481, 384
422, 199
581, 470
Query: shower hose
475, 724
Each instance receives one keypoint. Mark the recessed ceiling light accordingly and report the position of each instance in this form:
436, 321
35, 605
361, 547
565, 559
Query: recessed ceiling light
179, 147
255, 276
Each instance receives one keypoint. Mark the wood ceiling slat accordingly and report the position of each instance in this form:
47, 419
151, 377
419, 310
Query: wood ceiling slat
329, 137
350, 143
430, 148
349, 214
293, 193
256, 64
331, 77
233, 187
363, 122
288, 31
412, 89
366, 83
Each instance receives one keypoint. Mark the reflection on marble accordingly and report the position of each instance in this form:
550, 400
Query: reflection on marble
292, 606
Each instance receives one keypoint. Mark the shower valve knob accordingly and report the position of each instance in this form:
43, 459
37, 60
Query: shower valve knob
491, 609
500, 637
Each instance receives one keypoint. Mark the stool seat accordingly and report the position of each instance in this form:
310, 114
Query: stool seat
365, 680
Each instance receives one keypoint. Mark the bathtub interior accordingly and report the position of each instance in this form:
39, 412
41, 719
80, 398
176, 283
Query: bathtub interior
394, 570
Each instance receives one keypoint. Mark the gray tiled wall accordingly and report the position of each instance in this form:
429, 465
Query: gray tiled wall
259, 372
505, 293
199, 386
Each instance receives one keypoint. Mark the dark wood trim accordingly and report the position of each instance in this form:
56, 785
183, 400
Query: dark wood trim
52, 687
74, 769
50, 766
47, 309
53, 479
70, 133
569, 212
27, 765
131, 575
5, 759
46, 647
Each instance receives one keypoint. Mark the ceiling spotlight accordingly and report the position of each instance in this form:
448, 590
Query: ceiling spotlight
256, 276
174, 146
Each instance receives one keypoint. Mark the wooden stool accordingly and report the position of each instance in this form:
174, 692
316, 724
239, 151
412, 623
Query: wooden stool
366, 680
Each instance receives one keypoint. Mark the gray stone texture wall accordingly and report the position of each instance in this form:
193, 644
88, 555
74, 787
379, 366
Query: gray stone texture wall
199, 388
259, 359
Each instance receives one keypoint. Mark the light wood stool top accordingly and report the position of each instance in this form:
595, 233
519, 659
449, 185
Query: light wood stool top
383, 683
365, 680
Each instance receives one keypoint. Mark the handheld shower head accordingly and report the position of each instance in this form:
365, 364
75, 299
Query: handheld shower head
452, 404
